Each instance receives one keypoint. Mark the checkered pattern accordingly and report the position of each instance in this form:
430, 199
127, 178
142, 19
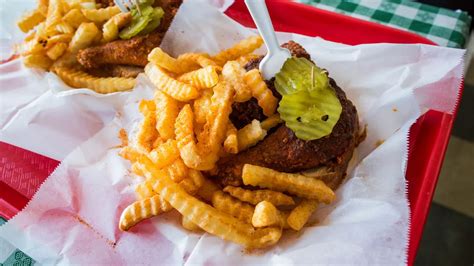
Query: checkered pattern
443, 26
10, 256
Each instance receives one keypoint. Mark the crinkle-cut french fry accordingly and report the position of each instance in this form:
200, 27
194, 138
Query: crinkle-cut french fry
231, 144
197, 177
244, 47
203, 78
54, 15
64, 27
67, 60
81, 4
84, 36
176, 89
189, 225
191, 60
225, 203
165, 154
184, 130
201, 106
56, 51
234, 73
144, 190
255, 196
141, 210
129, 153
188, 185
88, 5
111, 28
176, 173
147, 107
30, 20
79, 79
207, 217
218, 118
29, 36
43, 32
166, 116
158, 141
148, 133
261, 92
300, 215
250, 135
160, 58
204, 155
271, 122
38, 61
60, 38
37, 45
43, 7
75, 18
207, 189
177, 170
295, 184
136, 169
102, 14
266, 214
33, 46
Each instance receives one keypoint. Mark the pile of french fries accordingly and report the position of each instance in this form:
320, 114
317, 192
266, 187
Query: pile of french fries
186, 130
58, 29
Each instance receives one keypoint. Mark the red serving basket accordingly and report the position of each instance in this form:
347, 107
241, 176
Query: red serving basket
22, 171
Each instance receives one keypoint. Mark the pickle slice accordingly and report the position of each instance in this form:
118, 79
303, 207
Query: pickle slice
300, 74
309, 105
156, 16
308, 116
138, 24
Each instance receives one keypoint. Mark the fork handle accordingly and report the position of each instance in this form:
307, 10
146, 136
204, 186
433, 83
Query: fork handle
259, 12
121, 6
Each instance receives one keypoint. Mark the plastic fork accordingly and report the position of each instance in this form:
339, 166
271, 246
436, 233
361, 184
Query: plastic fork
276, 56
127, 5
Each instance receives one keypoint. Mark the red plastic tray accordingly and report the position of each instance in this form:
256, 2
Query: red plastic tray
426, 153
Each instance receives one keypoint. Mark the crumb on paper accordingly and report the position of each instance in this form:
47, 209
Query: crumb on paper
123, 137
111, 243
379, 142
395, 109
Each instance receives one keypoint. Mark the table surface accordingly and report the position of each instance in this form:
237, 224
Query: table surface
443, 26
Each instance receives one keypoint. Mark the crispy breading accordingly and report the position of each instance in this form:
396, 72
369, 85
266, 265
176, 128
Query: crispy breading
129, 52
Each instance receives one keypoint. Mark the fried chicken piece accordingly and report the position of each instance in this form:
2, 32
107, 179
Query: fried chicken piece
129, 52
123, 71
296, 49
105, 3
122, 52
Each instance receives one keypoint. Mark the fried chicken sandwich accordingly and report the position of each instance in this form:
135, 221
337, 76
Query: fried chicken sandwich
291, 147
